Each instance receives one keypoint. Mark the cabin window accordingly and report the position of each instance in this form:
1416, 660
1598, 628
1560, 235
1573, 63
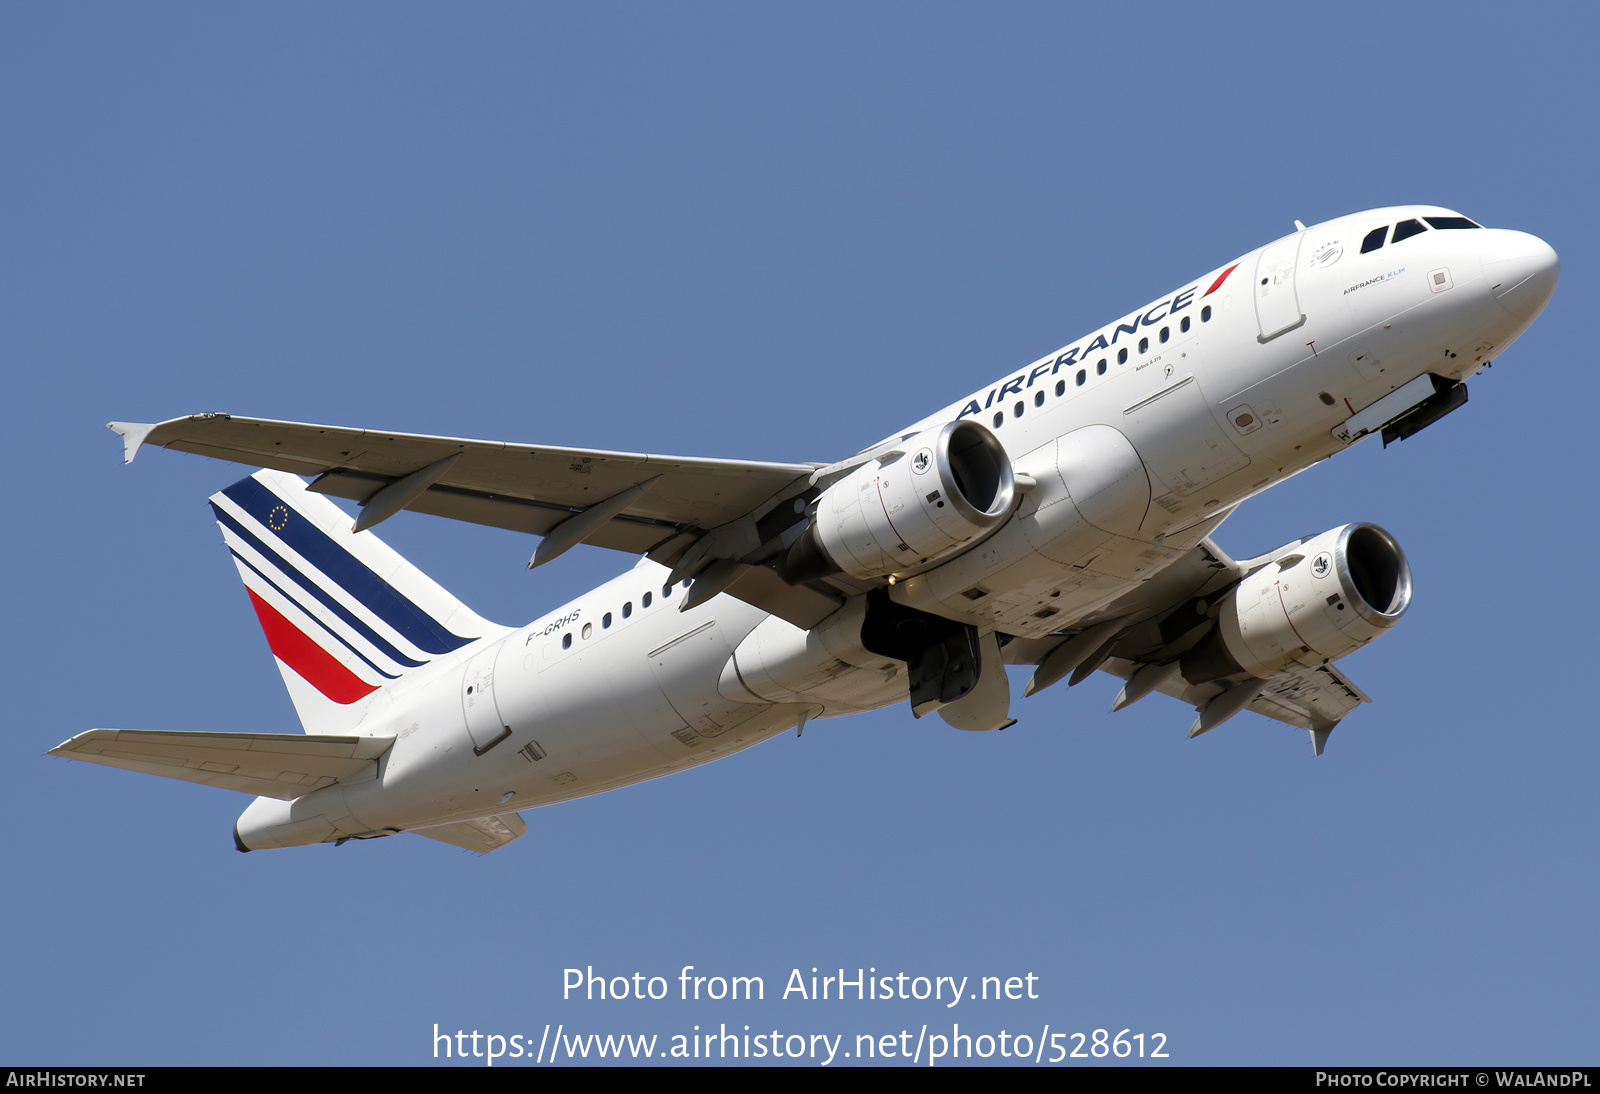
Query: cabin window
566, 641
588, 630
1406, 229
1166, 332
1017, 410
1038, 397
1374, 239
1100, 369
645, 600
1082, 376
1061, 385
1184, 326
605, 621
999, 419
627, 609
666, 591
1205, 314
1144, 345
1122, 356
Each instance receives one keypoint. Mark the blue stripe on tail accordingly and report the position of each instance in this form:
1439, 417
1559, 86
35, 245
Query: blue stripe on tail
350, 573
281, 591
322, 595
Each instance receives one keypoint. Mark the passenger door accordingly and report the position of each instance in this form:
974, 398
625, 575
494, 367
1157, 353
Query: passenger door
1277, 305
478, 702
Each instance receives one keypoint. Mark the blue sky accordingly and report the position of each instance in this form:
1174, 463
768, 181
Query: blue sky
778, 232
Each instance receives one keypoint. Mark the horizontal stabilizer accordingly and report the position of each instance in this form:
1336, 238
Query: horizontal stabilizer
483, 835
274, 765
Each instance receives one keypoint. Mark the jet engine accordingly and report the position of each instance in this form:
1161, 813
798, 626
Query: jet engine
1328, 597
934, 494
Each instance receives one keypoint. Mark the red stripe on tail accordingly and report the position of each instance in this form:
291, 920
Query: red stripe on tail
316, 666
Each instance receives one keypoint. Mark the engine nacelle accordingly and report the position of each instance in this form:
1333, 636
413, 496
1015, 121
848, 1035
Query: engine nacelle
1330, 596
934, 494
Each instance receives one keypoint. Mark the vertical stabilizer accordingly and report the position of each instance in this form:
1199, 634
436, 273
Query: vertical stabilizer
345, 615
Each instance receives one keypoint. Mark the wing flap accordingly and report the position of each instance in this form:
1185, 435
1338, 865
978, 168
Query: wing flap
483, 835
274, 765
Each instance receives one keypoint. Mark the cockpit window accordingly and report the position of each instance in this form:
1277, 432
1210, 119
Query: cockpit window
1374, 239
1451, 222
1406, 229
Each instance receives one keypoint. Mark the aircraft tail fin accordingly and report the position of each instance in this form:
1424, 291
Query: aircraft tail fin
344, 614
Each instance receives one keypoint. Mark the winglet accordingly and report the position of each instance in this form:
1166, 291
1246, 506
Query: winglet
133, 435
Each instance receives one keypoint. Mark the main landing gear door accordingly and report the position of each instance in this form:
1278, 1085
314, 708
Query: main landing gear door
988, 705
1277, 306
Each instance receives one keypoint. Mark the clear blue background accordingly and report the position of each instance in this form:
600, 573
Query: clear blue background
778, 232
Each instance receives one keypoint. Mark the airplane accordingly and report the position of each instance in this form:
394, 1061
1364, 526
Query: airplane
1060, 517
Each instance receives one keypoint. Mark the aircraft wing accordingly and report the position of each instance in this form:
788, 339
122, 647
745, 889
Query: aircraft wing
274, 765
627, 501
1153, 625
523, 487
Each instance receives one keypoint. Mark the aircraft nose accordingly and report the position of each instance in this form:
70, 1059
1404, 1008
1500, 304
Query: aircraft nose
1522, 271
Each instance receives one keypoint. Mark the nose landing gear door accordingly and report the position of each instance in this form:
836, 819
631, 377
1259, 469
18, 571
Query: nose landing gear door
1277, 306
478, 703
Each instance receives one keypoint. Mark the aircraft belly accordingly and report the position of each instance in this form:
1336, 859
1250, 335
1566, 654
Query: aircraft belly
582, 721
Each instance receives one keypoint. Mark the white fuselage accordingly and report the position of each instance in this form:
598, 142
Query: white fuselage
1216, 391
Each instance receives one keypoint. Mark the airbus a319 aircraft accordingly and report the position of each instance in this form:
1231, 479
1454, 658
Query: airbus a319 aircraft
1059, 517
